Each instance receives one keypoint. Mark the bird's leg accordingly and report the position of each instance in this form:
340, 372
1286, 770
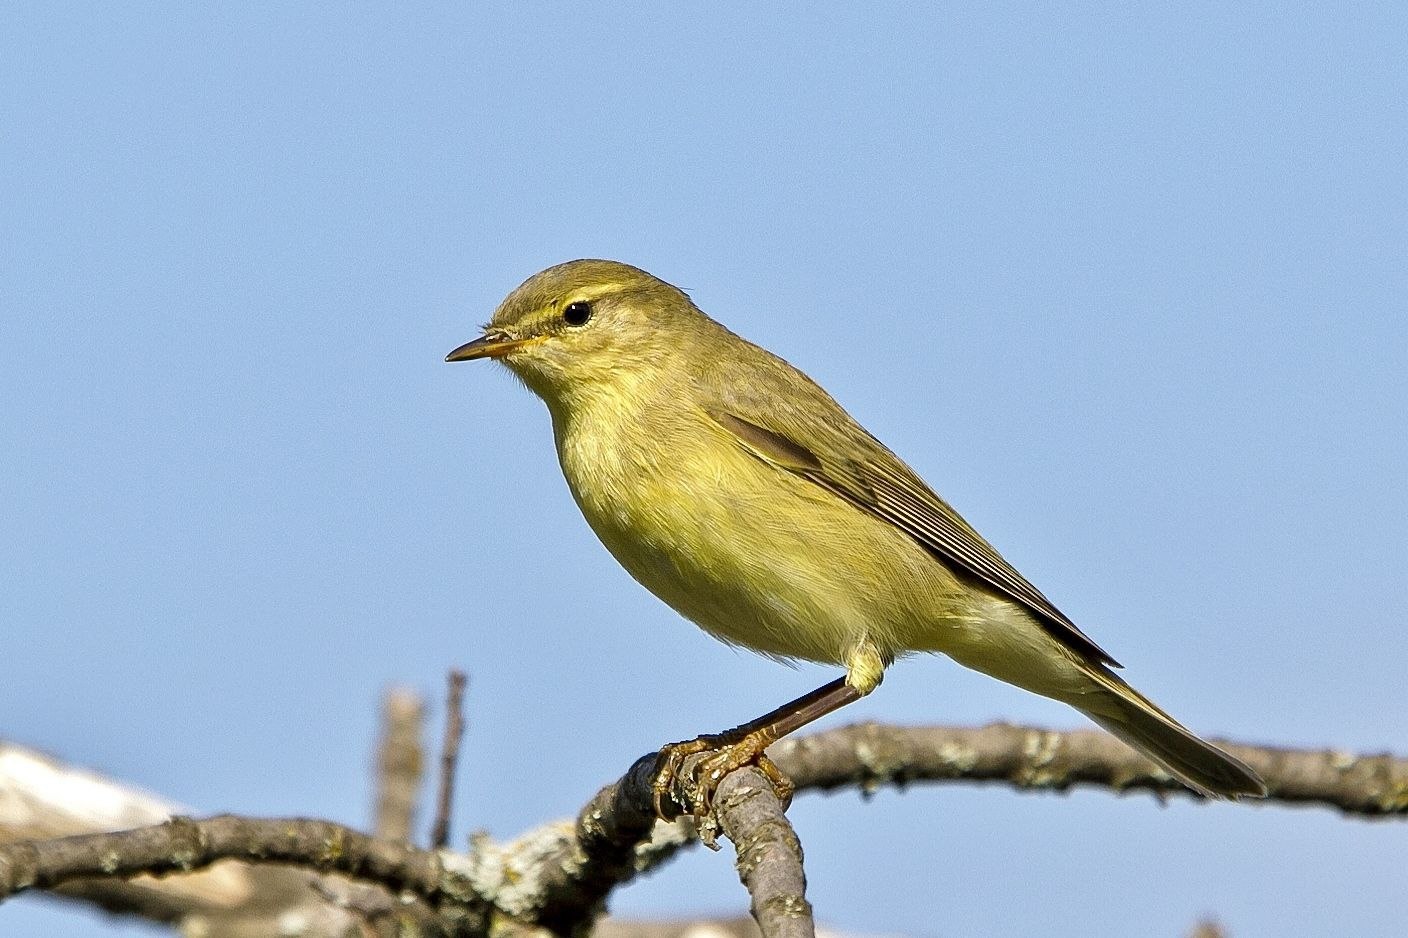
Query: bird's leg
746, 744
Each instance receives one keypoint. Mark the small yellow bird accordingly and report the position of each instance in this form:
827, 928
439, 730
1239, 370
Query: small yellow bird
734, 488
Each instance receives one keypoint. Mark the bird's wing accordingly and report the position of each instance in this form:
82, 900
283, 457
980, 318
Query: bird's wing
883, 486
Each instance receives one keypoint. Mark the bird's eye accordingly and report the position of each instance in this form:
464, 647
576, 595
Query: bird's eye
577, 314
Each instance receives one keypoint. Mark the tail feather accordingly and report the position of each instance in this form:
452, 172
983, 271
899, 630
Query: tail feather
1140, 722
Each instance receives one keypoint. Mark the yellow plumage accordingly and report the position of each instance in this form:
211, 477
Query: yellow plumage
735, 489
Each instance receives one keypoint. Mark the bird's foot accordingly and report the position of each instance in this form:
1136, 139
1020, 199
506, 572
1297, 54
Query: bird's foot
695, 791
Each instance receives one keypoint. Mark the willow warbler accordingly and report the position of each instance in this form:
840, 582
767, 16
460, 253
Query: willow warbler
734, 488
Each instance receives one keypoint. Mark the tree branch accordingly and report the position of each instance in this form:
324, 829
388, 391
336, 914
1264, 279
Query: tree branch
870, 754
449, 758
42, 798
576, 865
769, 854
181, 845
399, 765
558, 875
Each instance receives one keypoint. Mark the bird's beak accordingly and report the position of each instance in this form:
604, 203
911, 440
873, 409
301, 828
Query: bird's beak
488, 345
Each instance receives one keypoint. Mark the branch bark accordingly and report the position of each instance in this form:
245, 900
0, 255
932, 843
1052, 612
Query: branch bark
870, 754
42, 798
769, 854
400, 764
181, 845
449, 758
557, 876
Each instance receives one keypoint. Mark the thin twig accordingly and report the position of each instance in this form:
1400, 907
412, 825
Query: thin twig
449, 758
769, 854
400, 765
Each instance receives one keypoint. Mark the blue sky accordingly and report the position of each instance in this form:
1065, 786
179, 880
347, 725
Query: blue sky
1126, 285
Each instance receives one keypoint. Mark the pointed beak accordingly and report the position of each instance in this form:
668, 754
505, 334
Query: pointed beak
488, 345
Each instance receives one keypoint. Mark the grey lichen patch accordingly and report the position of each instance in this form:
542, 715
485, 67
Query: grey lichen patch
957, 758
184, 858
880, 764
1385, 788
110, 862
788, 905
334, 847
1039, 751
468, 877
593, 823
737, 795
1395, 798
708, 830
511, 876
754, 850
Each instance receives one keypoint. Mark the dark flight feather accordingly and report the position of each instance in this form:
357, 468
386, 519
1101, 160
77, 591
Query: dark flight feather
887, 489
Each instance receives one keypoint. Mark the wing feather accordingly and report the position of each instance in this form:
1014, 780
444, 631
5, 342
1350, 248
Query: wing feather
883, 486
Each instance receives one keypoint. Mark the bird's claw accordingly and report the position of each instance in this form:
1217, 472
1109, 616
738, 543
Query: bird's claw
695, 791
667, 777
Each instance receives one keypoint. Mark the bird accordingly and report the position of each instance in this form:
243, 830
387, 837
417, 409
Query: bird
738, 491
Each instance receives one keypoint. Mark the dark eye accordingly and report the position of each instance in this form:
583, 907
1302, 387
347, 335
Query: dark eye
577, 314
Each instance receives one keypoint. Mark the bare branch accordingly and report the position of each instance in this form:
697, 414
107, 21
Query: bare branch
576, 865
42, 798
769, 854
869, 755
182, 845
558, 875
449, 758
400, 764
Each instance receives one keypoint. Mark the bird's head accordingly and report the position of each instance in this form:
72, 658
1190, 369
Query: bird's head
586, 324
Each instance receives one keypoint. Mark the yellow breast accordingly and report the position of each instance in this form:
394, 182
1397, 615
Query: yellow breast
754, 555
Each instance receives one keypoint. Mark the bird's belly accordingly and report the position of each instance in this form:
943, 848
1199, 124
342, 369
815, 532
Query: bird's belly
759, 558
739, 581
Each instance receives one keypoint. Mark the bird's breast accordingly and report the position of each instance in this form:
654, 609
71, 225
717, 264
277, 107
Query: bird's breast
754, 555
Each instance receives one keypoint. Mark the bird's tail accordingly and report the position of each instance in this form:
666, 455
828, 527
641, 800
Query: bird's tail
1140, 722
